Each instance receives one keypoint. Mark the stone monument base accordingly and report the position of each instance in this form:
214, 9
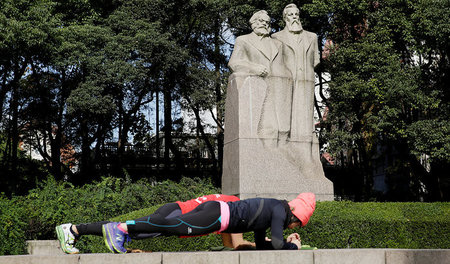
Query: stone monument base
255, 166
252, 170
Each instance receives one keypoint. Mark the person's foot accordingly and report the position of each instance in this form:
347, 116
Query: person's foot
115, 238
66, 239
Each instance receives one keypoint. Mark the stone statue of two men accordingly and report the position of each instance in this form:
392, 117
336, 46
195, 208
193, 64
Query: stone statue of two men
286, 60
270, 149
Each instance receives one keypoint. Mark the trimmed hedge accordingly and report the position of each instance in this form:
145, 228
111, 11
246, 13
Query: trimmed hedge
379, 225
12, 226
35, 215
334, 225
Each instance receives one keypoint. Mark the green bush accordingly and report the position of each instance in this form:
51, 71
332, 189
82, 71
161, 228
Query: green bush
35, 215
12, 226
333, 225
378, 225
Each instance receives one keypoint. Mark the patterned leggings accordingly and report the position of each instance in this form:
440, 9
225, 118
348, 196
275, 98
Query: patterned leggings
204, 219
166, 211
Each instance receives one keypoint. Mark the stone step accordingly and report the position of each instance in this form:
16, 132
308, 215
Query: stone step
44, 247
321, 256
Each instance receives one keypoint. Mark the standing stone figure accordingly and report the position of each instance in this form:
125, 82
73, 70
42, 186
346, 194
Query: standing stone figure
259, 54
303, 57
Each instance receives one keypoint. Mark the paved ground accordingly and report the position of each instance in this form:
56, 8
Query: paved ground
321, 256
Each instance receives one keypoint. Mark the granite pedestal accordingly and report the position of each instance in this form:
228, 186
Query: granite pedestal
259, 166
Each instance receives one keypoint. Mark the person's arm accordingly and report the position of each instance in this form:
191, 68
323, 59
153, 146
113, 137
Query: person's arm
260, 240
236, 241
278, 218
239, 242
227, 240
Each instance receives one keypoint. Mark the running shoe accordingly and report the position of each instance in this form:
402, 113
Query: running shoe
66, 239
115, 238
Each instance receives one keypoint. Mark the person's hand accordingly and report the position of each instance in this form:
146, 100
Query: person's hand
268, 239
245, 247
297, 242
293, 236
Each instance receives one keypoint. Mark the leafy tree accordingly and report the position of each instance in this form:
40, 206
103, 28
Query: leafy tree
131, 71
75, 72
26, 41
381, 96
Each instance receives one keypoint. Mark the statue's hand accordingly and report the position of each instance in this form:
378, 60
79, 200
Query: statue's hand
262, 71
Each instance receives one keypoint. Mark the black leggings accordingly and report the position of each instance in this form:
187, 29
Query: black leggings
168, 210
204, 219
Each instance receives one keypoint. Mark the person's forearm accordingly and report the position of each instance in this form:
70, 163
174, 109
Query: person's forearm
290, 245
227, 240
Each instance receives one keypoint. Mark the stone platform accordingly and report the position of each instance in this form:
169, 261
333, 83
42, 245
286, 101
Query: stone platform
48, 252
321, 256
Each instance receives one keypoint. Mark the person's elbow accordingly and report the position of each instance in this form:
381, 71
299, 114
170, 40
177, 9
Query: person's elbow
277, 244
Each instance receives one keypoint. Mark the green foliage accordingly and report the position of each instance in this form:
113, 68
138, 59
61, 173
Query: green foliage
431, 137
30, 171
88, 68
378, 225
35, 216
388, 94
333, 225
12, 226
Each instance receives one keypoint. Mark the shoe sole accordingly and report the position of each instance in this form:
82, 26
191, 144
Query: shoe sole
108, 242
62, 242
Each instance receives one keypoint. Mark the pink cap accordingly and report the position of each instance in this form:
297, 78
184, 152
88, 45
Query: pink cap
303, 206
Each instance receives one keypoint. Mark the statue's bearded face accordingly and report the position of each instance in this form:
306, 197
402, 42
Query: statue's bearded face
261, 25
292, 19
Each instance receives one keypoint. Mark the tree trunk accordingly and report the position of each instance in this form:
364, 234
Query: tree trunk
168, 142
440, 175
3, 91
123, 139
205, 137
14, 132
56, 145
167, 127
85, 166
18, 73
220, 116
158, 144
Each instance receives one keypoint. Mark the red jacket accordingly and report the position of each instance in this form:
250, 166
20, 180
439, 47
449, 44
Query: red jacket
192, 204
